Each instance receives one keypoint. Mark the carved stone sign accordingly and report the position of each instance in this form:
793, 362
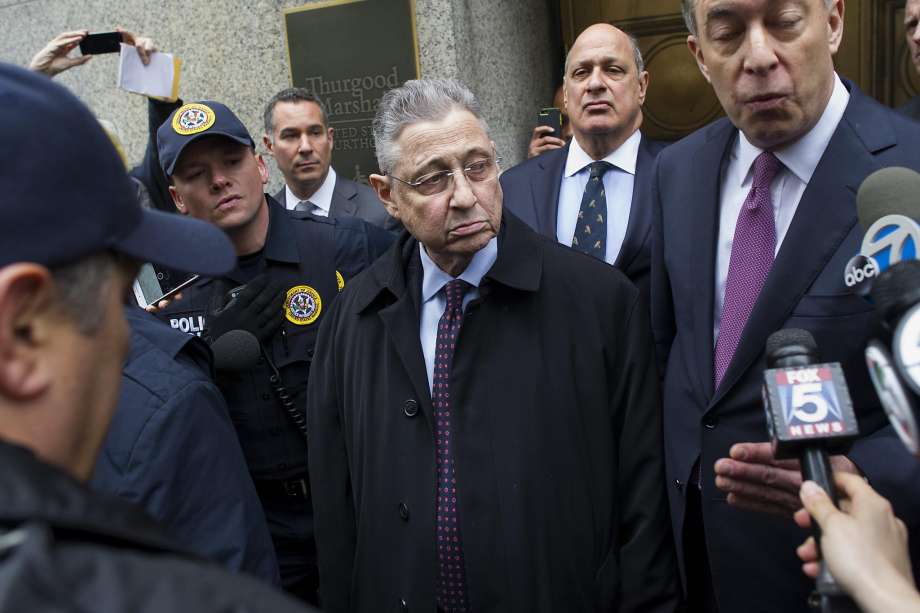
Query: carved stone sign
348, 53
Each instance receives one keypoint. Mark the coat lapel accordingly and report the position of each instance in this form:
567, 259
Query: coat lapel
343, 203
704, 194
545, 190
640, 212
401, 319
825, 215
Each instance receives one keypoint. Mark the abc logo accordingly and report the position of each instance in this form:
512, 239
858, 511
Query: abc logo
860, 268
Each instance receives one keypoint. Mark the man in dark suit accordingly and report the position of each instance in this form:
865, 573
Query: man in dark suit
755, 219
299, 137
506, 459
555, 193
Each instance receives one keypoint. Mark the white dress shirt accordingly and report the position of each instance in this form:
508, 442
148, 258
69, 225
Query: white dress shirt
799, 161
618, 186
321, 198
434, 301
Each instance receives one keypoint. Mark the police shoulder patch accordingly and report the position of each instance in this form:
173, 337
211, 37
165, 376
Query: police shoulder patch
302, 305
193, 118
339, 280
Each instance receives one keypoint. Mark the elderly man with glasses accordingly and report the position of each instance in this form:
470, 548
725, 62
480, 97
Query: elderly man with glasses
483, 416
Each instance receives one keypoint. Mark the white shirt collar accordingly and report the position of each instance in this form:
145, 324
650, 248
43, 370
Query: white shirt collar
623, 157
433, 278
802, 156
321, 198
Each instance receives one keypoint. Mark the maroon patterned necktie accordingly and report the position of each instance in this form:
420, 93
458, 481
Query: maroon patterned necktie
451, 586
752, 258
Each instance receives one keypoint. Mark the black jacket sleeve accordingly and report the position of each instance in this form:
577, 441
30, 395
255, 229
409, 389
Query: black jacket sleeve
148, 171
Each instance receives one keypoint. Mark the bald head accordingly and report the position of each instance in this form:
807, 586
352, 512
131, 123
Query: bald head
604, 32
604, 89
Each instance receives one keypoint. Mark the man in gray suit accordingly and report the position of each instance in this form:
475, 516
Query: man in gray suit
298, 136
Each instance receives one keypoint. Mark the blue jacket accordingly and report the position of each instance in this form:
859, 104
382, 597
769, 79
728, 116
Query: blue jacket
172, 450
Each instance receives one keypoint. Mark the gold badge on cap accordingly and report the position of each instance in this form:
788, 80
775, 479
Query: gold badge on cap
339, 280
302, 305
193, 118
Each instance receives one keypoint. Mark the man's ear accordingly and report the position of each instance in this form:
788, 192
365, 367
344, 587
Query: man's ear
330, 134
381, 185
697, 52
26, 330
263, 169
643, 86
177, 200
268, 144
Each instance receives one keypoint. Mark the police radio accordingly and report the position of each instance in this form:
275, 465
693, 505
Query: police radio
809, 416
887, 204
893, 357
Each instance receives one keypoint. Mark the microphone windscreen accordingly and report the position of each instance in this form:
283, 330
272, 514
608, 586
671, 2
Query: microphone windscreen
788, 337
888, 191
236, 350
897, 288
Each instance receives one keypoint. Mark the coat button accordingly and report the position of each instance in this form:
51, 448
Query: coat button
403, 511
678, 484
710, 423
410, 408
403, 605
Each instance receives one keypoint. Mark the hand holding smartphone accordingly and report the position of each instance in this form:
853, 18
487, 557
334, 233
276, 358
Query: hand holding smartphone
105, 42
551, 117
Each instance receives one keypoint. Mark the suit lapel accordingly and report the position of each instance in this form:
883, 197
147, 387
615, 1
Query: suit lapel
704, 195
640, 213
343, 203
825, 215
545, 190
401, 321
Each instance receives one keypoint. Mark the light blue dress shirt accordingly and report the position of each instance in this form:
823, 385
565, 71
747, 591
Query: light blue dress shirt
434, 301
618, 186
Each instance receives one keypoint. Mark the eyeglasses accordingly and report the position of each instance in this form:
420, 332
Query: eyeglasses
479, 171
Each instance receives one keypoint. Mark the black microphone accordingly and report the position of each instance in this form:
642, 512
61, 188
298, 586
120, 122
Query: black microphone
888, 206
236, 350
809, 416
893, 358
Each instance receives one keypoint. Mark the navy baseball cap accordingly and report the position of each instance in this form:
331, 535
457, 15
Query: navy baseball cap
196, 120
65, 194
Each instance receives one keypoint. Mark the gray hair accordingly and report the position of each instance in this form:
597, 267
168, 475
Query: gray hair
291, 94
637, 55
414, 102
82, 289
688, 8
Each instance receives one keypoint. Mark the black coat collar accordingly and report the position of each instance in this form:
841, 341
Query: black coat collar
518, 266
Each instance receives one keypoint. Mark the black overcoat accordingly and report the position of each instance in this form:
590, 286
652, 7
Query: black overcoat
557, 440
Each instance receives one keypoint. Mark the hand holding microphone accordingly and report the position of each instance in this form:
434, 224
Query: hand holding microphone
256, 308
809, 415
863, 544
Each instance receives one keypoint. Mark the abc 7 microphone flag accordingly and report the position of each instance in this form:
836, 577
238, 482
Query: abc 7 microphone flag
888, 203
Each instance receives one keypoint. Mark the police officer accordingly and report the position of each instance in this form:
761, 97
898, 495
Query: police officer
289, 269
63, 338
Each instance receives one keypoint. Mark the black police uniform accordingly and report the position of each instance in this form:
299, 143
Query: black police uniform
313, 257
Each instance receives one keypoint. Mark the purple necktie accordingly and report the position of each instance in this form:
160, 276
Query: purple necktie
752, 257
451, 586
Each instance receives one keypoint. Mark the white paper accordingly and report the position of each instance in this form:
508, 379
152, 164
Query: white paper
155, 79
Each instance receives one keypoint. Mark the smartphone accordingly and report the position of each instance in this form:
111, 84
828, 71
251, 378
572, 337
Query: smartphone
551, 117
153, 284
97, 44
